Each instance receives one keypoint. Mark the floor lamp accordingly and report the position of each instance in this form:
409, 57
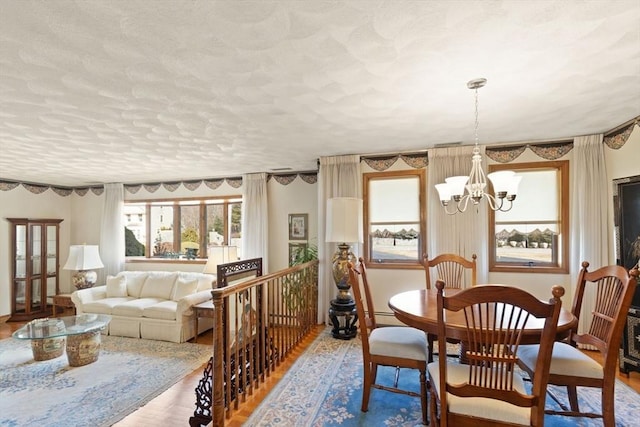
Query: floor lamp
344, 226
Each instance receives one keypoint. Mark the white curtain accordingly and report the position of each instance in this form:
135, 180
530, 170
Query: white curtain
112, 247
338, 176
463, 233
255, 218
589, 218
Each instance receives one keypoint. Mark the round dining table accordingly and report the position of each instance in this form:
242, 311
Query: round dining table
419, 308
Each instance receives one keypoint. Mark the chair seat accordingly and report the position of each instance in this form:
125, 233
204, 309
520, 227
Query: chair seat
398, 341
491, 409
565, 360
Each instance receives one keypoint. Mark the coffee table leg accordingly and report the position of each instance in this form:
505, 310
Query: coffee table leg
83, 349
47, 349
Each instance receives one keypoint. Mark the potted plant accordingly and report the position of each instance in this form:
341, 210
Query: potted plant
299, 286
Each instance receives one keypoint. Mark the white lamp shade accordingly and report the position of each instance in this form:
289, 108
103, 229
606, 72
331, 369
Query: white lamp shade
456, 184
512, 190
501, 180
344, 220
443, 191
219, 255
83, 257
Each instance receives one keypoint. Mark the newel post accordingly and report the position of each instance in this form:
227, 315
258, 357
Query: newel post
217, 374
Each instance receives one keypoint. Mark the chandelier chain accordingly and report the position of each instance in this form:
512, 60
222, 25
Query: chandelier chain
476, 118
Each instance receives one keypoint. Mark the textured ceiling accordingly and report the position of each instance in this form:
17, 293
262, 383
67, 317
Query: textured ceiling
147, 91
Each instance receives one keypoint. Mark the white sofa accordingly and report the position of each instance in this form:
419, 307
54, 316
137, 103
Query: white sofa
155, 305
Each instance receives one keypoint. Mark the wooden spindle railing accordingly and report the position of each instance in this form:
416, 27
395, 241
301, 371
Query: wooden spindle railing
258, 321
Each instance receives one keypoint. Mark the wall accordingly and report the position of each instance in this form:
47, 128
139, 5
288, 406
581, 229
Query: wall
82, 218
298, 197
20, 203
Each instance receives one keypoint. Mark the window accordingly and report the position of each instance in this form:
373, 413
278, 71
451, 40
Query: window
181, 229
534, 235
394, 218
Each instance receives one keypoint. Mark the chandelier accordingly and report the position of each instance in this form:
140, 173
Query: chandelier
505, 183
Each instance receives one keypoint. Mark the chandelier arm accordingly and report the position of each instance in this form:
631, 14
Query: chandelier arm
464, 201
493, 202
507, 210
446, 209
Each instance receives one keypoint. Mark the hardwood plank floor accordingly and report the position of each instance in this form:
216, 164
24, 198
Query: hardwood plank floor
176, 405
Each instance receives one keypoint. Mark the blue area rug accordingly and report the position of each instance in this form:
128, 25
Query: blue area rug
128, 373
324, 388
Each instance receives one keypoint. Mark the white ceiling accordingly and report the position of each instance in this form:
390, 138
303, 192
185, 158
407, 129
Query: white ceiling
146, 91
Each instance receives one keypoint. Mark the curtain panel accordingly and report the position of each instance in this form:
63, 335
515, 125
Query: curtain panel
339, 176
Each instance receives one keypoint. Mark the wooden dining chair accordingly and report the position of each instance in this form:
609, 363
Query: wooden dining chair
613, 289
489, 391
453, 270
395, 346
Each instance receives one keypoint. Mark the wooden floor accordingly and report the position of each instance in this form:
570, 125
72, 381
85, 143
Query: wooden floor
176, 405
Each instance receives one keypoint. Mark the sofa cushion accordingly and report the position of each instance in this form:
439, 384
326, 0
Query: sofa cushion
165, 310
104, 306
134, 307
116, 286
159, 284
184, 287
204, 280
135, 281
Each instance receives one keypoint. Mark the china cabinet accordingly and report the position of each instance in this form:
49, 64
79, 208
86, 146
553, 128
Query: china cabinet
34, 267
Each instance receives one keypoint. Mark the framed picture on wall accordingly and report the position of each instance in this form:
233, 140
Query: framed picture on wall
294, 250
298, 224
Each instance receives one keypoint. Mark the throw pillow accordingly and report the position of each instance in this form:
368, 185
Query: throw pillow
116, 286
184, 287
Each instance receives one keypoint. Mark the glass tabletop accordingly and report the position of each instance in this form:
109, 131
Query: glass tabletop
62, 326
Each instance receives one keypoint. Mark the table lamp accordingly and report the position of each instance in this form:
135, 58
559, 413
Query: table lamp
84, 259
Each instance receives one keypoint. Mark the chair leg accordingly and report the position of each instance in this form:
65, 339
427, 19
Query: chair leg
397, 377
608, 406
573, 398
423, 397
369, 379
433, 405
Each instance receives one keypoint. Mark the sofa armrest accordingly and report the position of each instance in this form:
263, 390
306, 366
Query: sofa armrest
83, 296
186, 303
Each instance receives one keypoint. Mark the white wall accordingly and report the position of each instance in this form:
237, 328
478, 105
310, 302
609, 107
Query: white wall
298, 197
82, 217
20, 203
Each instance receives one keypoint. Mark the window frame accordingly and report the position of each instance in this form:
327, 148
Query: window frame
387, 175
562, 168
175, 204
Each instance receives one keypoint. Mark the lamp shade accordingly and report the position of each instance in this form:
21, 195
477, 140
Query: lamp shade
344, 220
83, 257
219, 255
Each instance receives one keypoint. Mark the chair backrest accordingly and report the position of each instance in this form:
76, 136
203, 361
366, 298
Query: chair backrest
450, 268
496, 316
613, 288
366, 315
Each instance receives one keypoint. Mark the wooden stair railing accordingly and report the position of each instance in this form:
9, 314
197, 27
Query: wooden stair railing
258, 321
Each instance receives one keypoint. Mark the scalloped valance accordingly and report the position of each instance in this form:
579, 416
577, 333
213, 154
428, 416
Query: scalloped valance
213, 184
382, 163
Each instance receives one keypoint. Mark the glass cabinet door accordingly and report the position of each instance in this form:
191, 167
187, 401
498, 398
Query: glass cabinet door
21, 252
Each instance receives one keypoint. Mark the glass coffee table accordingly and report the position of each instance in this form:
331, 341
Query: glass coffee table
81, 334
